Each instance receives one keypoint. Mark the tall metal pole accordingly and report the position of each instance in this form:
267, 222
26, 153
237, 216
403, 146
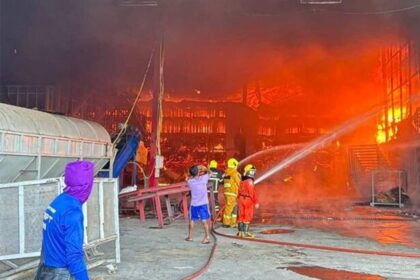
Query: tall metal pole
385, 82
158, 89
409, 58
400, 70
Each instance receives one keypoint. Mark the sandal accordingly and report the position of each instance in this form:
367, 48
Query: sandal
205, 241
188, 239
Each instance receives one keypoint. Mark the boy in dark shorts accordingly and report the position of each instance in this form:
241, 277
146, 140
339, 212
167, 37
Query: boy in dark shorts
199, 209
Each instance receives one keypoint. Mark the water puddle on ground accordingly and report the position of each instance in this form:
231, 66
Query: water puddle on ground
277, 231
385, 226
323, 273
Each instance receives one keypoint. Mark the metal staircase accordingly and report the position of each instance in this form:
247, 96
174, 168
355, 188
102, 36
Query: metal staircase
363, 159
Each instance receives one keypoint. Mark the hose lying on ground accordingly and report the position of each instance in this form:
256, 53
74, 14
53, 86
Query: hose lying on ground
326, 248
203, 269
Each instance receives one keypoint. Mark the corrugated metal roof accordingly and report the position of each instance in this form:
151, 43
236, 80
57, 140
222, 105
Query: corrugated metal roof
22, 120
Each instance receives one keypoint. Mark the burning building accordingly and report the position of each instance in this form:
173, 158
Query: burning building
252, 75
198, 131
323, 97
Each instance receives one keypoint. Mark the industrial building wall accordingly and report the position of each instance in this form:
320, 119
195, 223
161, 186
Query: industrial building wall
402, 111
411, 156
411, 162
1, 49
404, 155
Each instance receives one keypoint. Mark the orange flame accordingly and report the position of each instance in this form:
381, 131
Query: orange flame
393, 117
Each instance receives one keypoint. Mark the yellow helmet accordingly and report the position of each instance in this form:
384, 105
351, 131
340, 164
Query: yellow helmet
232, 163
213, 164
249, 171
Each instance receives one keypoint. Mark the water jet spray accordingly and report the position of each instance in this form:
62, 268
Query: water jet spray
320, 142
270, 150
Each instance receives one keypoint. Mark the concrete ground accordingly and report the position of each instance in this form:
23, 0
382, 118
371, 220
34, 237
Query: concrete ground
148, 252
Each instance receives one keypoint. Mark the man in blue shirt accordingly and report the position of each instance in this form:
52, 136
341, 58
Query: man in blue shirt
62, 245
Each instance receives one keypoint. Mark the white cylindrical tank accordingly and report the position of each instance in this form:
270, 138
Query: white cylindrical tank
37, 145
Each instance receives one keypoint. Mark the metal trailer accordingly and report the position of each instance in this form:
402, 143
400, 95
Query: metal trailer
37, 145
34, 149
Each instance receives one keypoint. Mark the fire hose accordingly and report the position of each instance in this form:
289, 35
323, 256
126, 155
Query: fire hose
203, 269
368, 219
325, 248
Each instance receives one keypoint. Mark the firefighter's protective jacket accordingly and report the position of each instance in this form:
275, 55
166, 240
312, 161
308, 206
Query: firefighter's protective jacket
247, 198
232, 180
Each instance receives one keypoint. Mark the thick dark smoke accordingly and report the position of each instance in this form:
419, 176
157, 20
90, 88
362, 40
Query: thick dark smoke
77, 45
215, 47
220, 51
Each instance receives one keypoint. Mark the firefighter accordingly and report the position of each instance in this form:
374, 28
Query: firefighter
232, 180
247, 200
216, 178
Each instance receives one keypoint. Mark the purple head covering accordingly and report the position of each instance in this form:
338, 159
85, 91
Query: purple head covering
78, 177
